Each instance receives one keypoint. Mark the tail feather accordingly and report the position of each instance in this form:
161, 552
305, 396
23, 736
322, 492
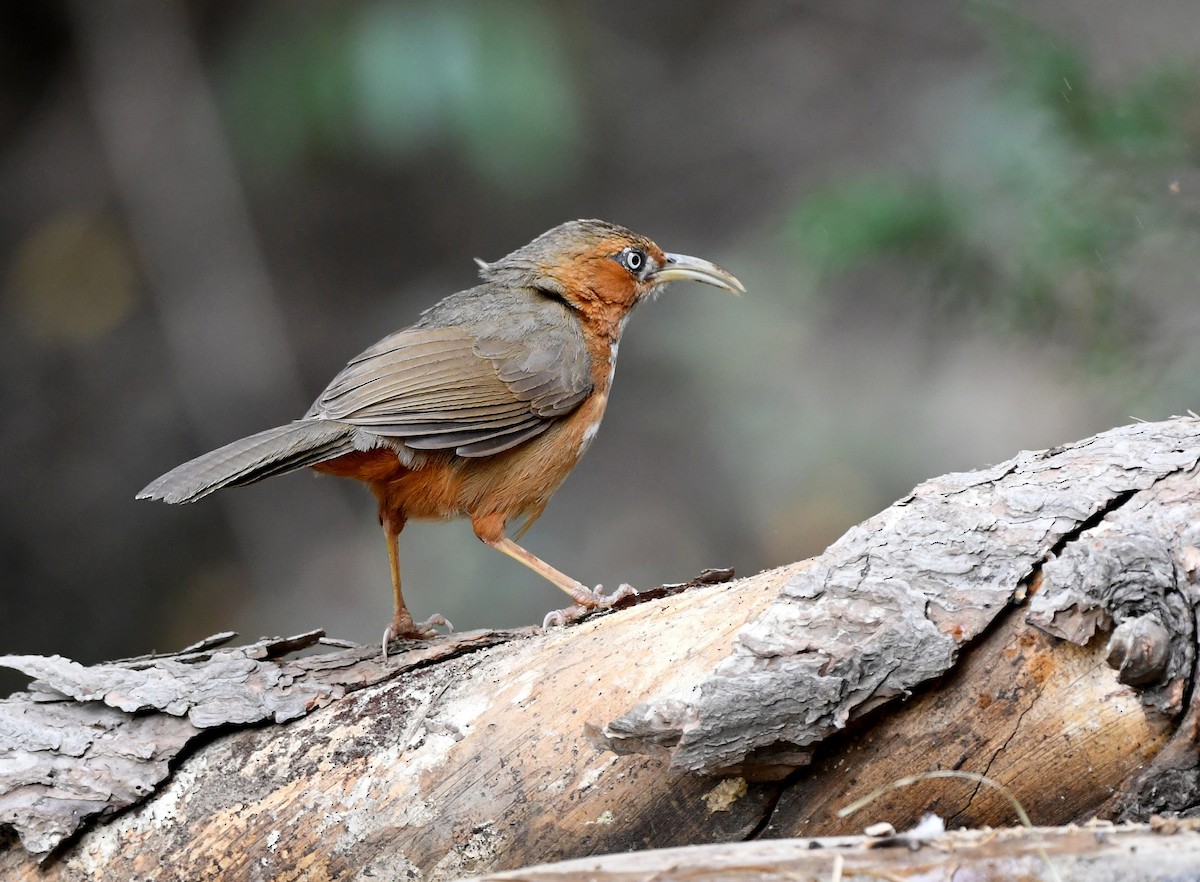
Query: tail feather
273, 452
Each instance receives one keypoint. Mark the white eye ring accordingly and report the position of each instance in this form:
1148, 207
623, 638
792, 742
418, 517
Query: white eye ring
635, 260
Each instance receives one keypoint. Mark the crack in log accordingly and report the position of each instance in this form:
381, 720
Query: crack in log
1112, 506
777, 789
190, 748
996, 754
1032, 580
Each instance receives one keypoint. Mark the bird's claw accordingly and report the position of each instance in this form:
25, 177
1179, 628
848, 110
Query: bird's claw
598, 601
559, 618
607, 601
405, 628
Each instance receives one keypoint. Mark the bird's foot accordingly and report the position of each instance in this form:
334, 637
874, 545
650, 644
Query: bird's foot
597, 602
404, 628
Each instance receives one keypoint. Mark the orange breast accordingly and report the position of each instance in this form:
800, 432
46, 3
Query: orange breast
497, 488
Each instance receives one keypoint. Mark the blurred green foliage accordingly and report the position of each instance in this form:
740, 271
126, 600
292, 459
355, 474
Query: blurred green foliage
386, 80
854, 221
1145, 121
1031, 212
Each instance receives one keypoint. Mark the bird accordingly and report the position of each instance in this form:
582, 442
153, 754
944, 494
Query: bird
480, 409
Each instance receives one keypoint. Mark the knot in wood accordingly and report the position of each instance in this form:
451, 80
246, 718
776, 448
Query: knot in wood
1139, 649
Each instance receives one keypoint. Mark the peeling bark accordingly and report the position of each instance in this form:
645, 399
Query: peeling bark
889, 605
962, 628
85, 741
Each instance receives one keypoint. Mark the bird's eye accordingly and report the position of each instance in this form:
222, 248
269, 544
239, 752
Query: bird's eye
635, 260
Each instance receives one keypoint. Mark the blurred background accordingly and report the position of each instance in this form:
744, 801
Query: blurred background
966, 229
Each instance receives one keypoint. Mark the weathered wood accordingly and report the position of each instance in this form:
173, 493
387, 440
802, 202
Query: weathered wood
1057, 723
889, 605
1047, 720
81, 742
903, 648
1098, 853
446, 768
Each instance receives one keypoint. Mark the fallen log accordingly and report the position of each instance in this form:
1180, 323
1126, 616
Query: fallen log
1034, 622
1165, 851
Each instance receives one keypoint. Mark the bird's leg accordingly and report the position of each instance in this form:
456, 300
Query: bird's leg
586, 599
402, 621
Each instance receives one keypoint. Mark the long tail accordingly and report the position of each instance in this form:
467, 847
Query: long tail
273, 452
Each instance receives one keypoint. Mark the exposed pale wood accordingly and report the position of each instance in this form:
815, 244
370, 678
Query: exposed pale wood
83, 741
888, 606
450, 768
1089, 854
1046, 719
474, 758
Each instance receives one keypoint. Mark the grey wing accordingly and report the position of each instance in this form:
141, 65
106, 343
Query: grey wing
445, 388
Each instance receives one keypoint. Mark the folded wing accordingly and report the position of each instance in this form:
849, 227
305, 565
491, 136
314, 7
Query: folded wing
461, 388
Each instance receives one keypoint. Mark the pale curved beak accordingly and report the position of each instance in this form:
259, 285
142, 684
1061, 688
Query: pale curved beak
681, 267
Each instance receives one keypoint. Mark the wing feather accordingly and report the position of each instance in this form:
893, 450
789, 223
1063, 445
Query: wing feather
477, 387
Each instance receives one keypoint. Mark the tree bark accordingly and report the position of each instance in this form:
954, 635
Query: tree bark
962, 628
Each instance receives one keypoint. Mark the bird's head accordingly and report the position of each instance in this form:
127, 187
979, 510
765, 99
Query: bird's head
600, 269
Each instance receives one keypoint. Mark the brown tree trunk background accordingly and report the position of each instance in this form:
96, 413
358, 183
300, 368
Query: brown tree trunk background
1033, 622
